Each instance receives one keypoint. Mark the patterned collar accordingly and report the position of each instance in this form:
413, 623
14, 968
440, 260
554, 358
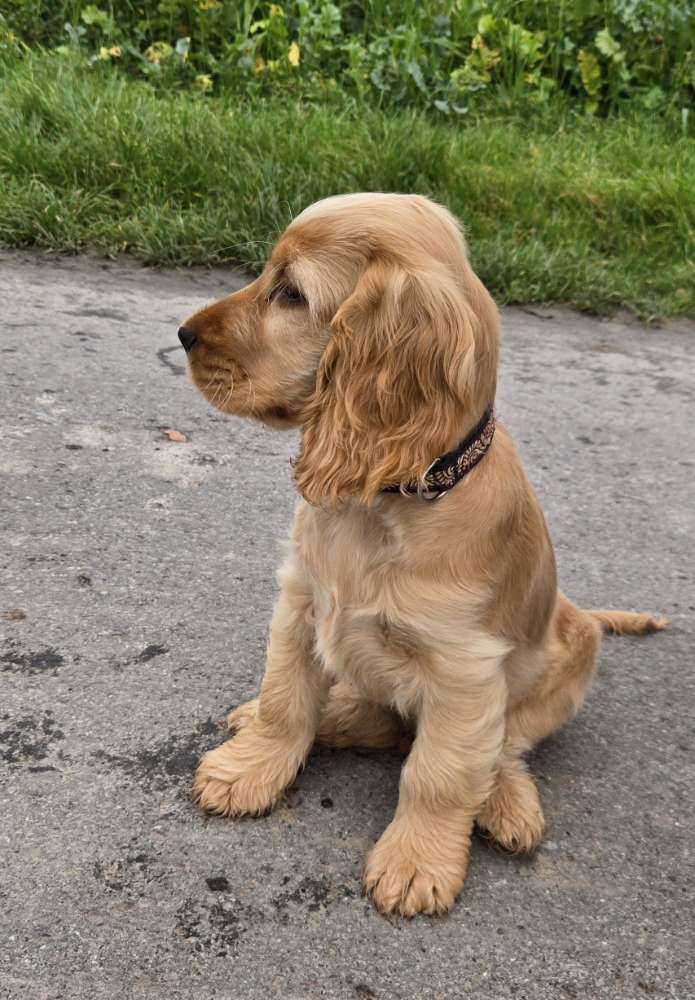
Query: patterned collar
449, 469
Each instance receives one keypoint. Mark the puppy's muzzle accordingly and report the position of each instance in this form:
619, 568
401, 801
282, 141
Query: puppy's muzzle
188, 338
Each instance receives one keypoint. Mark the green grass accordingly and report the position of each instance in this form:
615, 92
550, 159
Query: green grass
557, 206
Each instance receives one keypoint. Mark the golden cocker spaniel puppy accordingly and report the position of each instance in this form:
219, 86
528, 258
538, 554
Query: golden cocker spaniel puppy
406, 603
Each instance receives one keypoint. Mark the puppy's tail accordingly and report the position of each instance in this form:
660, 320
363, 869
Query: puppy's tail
626, 622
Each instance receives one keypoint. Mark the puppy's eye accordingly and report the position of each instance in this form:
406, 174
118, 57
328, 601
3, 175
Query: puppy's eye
287, 295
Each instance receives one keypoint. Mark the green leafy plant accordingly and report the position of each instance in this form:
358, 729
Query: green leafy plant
447, 56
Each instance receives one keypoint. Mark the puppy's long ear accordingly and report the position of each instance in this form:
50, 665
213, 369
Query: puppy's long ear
397, 381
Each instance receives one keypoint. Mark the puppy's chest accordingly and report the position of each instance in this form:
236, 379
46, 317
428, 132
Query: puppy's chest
354, 563
352, 560
377, 622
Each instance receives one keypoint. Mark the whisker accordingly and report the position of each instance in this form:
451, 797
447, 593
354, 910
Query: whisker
218, 387
251, 403
209, 383
228, 397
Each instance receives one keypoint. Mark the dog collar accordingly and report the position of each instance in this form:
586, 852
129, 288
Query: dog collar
449, 469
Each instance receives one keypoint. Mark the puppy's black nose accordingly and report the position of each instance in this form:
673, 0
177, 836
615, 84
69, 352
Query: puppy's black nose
187, 338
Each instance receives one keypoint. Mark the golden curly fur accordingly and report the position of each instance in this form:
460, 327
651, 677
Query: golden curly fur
369, 331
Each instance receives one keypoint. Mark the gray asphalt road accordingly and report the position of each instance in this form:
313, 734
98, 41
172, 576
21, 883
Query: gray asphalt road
137, 585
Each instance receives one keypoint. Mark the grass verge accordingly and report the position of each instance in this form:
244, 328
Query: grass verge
599, 213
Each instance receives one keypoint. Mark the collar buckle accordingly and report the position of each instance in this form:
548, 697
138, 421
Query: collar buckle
431, 495
426, 492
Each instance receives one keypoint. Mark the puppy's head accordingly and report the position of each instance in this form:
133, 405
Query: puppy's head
367, 329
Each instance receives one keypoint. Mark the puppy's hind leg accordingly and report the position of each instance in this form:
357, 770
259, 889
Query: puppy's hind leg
512, 815
350, 720
240, 717
347, 720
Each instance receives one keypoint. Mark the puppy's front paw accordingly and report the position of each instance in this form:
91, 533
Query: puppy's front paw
246, 775
404, 879
512, 816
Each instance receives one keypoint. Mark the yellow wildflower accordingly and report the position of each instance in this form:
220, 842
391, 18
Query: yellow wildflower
259, 68
158, 52
204, 81
293, 54
114, 52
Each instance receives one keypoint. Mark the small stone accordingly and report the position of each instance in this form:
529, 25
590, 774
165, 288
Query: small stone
176, 436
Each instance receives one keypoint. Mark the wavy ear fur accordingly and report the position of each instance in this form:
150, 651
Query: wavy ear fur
398, 381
